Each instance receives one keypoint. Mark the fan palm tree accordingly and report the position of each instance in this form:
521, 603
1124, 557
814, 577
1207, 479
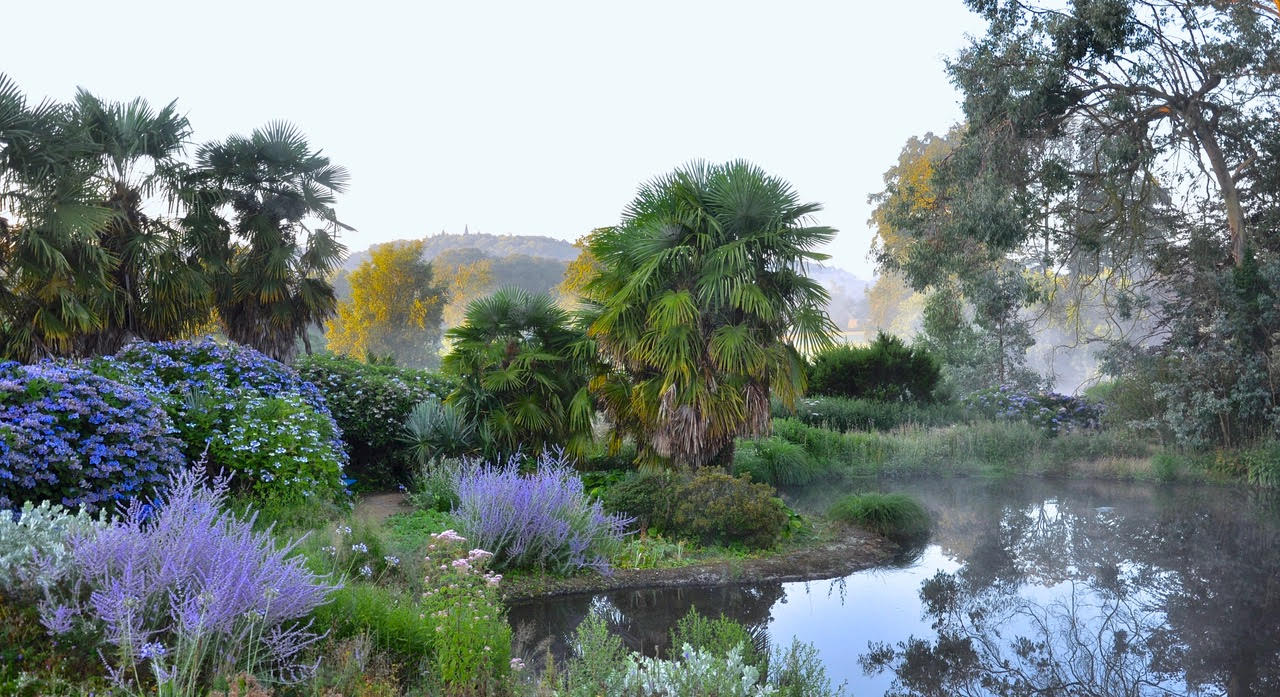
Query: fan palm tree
156, 282
701, 309
523, 373
50, 264
270, 197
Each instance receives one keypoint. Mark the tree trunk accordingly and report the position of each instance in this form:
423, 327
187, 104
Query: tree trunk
1226, 182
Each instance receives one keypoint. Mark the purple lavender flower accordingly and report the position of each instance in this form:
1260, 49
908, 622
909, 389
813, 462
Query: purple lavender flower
544, 519
194, 575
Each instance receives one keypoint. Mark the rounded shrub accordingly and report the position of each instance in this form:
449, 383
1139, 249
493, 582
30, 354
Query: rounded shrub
886, 370
246, 413
371, 404
716, 508
79, 439
647, 496
777, 461
896, 516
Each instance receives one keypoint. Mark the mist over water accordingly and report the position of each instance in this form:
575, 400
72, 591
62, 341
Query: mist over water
1024, 586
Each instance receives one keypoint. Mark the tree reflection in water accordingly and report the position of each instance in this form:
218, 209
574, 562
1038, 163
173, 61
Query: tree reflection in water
1065, 598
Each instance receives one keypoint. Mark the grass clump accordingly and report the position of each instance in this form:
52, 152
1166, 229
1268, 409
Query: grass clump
896, 516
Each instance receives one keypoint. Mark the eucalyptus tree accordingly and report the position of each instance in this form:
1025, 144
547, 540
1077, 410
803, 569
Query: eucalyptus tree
50, 264
522, 373
702, 310
264, 203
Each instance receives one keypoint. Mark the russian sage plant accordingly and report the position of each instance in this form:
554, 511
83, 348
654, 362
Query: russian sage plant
540, 520
181, 590
35, 560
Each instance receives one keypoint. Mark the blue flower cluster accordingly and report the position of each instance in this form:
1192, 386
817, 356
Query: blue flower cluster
79, 439
1056, 413
245, 411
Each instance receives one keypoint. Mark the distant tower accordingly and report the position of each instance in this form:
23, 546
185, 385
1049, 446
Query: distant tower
466, 230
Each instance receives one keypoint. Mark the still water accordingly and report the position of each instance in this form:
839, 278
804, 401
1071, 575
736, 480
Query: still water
1025, 587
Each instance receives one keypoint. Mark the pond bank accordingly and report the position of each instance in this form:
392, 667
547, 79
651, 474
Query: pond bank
852, 550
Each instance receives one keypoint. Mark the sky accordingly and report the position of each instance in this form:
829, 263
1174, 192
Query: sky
536, 118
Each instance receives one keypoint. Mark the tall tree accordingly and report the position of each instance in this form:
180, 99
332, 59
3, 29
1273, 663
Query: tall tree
1081, 114
156, 282
394, 309
50, 263
270, 198
702, 309
522, 373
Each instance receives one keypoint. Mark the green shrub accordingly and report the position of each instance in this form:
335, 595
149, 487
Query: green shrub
370, 404
717, 508
649, 497
778, 462
434, 431
716, 636
887, 370
845, 414
434, 488
280, 447
1263, 465
392, 618
1166, 467
896, 516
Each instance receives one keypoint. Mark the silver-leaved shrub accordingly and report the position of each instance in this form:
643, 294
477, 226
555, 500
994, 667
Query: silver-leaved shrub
34, 557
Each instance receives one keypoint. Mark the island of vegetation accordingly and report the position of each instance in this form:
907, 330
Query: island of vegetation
232, 466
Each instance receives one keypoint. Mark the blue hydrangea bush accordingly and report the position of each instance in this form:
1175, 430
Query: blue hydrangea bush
1055, 413
241, 411
79, 439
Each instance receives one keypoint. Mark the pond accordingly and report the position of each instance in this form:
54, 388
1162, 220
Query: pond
1025, 587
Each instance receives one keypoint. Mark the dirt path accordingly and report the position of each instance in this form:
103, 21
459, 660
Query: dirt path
854, 551
375, 508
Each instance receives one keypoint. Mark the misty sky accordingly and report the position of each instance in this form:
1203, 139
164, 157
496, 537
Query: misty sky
526, 117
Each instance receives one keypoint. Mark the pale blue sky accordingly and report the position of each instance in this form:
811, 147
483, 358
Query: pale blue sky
526, 117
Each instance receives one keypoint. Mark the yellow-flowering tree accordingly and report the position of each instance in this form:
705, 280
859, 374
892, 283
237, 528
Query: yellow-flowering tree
394, 310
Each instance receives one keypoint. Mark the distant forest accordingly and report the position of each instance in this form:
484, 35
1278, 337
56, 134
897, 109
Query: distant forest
477, 264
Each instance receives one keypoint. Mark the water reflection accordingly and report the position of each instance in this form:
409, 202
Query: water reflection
1026, 588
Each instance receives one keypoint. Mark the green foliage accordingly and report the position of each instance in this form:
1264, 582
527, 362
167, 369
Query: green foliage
434, 487
779, 462
33, 666
434, 431
982, 447
887, 370
271, 195
648, 496
701, 309
411, 530
896, 516
843, 414
717, 508
522, 374
282, 448
392, 618
370, 403
798, 671
597, 658
716, 636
